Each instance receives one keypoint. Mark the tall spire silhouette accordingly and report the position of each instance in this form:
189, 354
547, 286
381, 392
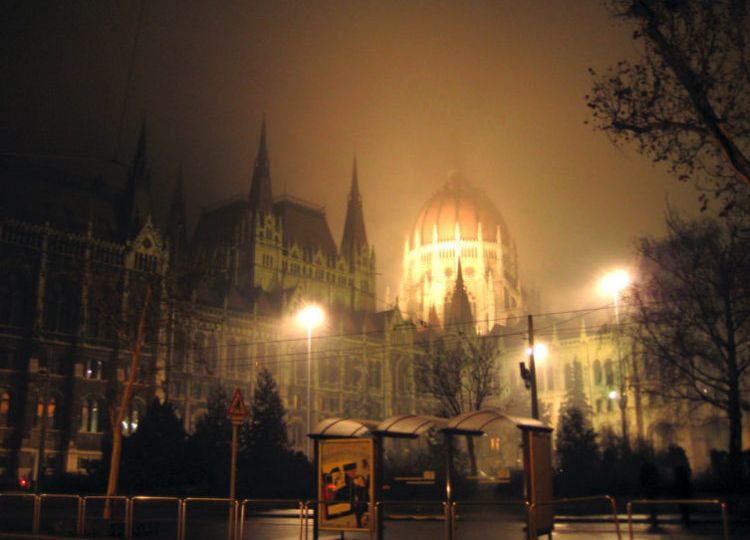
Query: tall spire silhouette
355, 236
261, 197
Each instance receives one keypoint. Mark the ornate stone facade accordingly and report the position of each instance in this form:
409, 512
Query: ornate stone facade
73, 241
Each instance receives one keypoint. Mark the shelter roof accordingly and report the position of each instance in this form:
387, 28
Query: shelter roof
409, 425
334, 428
475, 422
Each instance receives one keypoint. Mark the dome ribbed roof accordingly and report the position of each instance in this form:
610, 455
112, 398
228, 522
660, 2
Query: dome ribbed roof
459, 202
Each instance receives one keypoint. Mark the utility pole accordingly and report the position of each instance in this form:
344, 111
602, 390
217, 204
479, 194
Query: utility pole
40, 465
532, 371
237, 412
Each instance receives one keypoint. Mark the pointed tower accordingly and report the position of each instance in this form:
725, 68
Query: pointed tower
458, 315
355, 237
137, 205
176, 226
261, 198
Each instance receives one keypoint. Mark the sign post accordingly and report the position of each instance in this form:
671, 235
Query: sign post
237, 412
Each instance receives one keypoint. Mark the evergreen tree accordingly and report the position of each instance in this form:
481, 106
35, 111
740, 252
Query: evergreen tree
575, 395
267, 466
210, 447
155, 456
267, 430
577, 452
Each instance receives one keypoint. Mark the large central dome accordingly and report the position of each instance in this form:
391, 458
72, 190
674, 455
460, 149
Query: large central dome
460, 243
458, 209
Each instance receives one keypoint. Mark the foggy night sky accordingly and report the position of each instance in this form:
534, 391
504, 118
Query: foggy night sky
414, 89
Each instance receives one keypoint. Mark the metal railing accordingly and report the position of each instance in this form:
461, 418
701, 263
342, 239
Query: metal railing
238, 511
107, 500
147, 499
572, 500
231, 506
451, 527
300, 505
55, 496
691, 502
34, 502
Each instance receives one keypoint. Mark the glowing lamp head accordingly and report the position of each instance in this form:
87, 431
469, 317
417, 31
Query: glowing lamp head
310, 317
540, 352
612, 395
614, 282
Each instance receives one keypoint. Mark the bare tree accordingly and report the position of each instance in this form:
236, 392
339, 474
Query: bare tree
685, 100
691, 315
459, 373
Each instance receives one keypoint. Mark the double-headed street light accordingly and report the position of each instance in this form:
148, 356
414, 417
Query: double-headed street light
309, 317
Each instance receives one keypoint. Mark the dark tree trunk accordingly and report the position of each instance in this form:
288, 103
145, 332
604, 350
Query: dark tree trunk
735, 437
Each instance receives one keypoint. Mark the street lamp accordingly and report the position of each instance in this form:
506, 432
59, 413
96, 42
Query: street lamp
309, 317
613, 284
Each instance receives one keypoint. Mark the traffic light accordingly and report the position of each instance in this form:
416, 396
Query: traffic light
525, 374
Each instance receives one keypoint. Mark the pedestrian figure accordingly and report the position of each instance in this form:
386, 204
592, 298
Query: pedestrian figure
682, 488
649, 479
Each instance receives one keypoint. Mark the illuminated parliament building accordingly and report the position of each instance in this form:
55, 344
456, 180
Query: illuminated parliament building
78, 246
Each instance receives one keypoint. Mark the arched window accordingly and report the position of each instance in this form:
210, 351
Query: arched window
597, 372
550, 378
60, 306
180, 351
401, 376
296, 433
242, 358
568, 377
7, 359
231, 356
212, 356
271, 362
11, 300
609, 374
92, 415
133, 416
199, 353
54, 417
4, 406
92, 369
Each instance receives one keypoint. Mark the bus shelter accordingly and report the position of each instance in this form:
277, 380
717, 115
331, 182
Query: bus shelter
349, 456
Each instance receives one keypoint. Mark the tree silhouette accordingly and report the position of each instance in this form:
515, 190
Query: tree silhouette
691, 315
577, 451
685, 100
155, 456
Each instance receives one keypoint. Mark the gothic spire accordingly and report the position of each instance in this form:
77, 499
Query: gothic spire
137, 204
355, 236
458, 314
176, 226
261, 198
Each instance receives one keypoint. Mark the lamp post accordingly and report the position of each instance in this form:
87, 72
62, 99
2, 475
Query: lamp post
309, 317
613, 284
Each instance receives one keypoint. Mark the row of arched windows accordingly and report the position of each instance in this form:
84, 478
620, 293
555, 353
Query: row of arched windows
608, 377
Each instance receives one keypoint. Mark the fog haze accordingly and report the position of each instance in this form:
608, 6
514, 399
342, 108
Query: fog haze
413, 90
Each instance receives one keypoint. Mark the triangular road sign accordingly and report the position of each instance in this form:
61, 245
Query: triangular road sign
237, 409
